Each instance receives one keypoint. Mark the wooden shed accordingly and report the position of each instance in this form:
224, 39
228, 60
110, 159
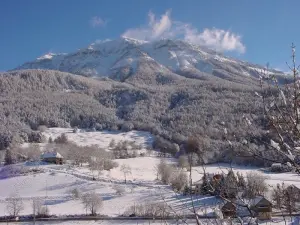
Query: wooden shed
52, 157
262, 208
228, 210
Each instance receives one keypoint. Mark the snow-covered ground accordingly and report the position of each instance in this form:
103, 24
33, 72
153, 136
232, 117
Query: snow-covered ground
276, 221
100, 138
272, 178
55, 182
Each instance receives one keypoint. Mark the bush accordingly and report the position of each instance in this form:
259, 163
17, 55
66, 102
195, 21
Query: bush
154, 209
165, 146
183, 161
13, 170
179, 181
42, 128
75, 130
112, 143
62, 139
280, 168
120, 190
76, 194
36, 137
164, 172
127, 126
109, 164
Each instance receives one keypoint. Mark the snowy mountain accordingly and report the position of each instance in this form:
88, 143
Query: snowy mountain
123, 58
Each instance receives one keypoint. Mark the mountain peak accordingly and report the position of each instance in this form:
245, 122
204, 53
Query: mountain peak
124, 57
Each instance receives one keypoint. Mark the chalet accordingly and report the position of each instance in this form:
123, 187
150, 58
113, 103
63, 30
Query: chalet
228, 210
52, 157
262, 208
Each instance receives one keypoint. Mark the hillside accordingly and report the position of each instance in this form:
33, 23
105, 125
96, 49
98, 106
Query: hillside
156, 62
189, 107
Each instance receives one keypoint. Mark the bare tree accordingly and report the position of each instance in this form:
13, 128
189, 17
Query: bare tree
256, 185
120, 190
183, 162
126, 169
164, 171
37, 207
14, 205
179, 180
76, 194
92, 202
277, 196
290, 198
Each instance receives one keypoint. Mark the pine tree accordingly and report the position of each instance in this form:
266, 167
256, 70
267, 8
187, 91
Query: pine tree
219, 186
241, 181
204, 189
230, 187
8, 157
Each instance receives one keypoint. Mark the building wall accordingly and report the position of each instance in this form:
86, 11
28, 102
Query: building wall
53, 160
264, 215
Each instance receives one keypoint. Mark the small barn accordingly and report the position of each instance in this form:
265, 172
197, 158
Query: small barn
262, 208
228, 210
52, 157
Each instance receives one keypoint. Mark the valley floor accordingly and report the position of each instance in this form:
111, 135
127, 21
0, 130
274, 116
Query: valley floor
54, 183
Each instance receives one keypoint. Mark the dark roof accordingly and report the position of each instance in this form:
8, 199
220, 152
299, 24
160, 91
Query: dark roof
259, 200
48, 155
228, 206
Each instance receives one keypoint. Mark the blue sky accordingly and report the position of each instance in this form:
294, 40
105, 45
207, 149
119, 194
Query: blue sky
257, 31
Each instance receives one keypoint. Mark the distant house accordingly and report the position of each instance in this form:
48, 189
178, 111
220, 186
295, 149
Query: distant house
228, 210
52, 157
262, 208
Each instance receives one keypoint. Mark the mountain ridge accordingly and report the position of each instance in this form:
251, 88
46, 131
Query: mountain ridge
123, 58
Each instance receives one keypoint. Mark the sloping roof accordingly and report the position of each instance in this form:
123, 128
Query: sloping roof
47, 155
258, 199
228, 206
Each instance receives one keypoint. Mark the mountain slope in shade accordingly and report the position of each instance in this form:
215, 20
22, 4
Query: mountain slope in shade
166, 60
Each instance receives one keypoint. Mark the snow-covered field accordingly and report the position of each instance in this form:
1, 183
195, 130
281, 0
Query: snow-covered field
276, 221
56, 182
100, 138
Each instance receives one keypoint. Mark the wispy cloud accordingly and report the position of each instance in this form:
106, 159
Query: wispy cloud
97, 21
165, 27
156, 28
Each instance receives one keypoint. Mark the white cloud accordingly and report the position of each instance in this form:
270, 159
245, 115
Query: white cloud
165, 27
97, 21
156, 29
214, 38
